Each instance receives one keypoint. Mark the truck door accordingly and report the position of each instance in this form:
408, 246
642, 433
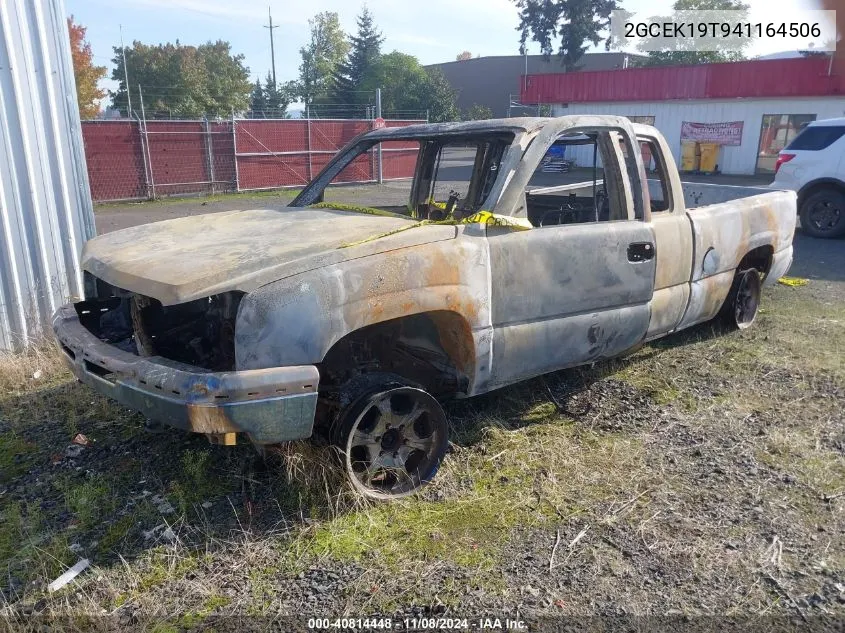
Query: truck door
673, 232
576, 288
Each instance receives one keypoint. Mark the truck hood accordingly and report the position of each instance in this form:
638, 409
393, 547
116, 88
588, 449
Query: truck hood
194, 257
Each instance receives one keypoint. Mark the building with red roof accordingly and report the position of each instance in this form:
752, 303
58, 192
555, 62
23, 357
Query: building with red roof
767, 102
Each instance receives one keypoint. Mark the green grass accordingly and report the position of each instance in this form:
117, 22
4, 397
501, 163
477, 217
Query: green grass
89, 499
16, 455
200, 478
519, 478
28, 546
162, 566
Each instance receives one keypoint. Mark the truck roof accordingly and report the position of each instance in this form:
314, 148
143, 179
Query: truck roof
513, 124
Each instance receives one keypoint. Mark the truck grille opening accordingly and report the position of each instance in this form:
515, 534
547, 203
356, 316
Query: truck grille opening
200, 333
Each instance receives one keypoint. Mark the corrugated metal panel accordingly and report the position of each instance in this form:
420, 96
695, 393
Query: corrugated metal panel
800, 77
668, 116
45, 204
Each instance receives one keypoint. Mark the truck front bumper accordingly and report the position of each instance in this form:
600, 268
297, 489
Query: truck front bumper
271, 405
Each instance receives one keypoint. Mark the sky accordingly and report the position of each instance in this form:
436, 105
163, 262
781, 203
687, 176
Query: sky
432, 30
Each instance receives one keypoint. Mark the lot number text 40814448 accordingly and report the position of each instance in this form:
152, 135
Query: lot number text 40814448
418, 624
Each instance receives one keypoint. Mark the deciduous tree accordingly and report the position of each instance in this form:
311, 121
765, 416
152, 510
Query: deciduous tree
683, 52
463, 56
478, 113
85, 72
321, 57
576, 22
186, 81
408, 89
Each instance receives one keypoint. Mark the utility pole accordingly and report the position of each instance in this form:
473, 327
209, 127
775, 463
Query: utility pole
272, 50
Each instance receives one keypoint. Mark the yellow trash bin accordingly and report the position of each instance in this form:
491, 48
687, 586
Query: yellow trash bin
709, 157
689, 156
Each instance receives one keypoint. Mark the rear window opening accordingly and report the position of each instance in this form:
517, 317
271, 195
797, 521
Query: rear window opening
199, 333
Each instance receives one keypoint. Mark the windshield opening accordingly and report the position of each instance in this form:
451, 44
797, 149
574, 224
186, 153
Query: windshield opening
429, 178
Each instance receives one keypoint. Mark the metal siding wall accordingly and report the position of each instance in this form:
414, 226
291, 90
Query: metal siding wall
760, 79
740, 159
45, 203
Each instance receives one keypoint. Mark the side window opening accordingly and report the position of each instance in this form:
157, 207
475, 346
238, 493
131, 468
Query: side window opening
658, 177
584, 177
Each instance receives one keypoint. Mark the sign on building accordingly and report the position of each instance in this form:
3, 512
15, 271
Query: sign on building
729, 133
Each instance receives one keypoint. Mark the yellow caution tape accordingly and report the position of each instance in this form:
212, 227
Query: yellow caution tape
491, 219
358, 209
793, 281
482, 217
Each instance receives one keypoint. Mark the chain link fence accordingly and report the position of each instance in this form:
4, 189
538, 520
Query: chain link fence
147, 159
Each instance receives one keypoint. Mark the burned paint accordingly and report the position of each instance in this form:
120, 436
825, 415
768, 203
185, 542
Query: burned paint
271, 405
502, 305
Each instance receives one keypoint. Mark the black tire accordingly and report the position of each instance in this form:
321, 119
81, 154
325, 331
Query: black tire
823, 214
743, 301
392, 438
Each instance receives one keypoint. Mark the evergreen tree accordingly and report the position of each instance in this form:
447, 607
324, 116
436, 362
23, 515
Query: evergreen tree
362, 58
257, 101
578, 23
276, 98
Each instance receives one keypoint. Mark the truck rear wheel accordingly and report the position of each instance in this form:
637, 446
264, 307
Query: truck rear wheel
823, 214
393, 438
740, 308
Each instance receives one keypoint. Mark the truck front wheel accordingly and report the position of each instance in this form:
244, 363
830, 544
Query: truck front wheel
392, 438
823, 213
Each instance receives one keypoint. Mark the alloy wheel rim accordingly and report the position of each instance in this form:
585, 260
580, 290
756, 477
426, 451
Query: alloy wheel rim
824, 215
747, 301
395, 443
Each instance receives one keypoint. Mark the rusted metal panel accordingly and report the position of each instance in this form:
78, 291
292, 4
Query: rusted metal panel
504, 305
239, 250
799, 77
738, 221
303, 316
45, 205
271, 405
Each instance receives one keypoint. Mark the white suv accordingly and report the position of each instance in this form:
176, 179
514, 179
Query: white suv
813, 164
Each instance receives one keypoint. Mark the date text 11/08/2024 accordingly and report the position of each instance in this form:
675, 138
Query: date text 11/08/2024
418, 624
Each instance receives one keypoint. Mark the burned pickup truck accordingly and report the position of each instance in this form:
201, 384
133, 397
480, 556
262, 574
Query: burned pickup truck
354, 322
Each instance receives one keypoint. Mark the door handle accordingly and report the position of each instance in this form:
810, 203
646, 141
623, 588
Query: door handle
640, 252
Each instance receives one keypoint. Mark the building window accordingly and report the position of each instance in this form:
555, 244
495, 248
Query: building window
776, 132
